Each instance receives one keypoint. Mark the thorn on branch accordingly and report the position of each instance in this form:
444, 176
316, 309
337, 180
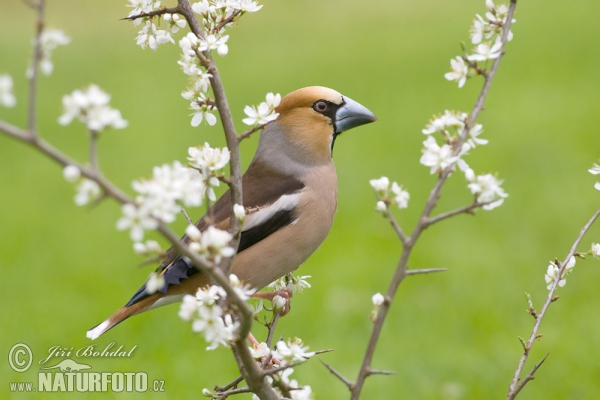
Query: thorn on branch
425, 271
554, 299
337, 375
379, 372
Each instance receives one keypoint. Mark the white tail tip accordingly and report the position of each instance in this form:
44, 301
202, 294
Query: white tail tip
98, 330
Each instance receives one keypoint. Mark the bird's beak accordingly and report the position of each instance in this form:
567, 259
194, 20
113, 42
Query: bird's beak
352, 114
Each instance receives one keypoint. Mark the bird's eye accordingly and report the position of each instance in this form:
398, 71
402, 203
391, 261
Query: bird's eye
320, 106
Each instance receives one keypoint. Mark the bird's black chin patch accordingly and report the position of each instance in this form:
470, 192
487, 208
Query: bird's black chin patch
335, 135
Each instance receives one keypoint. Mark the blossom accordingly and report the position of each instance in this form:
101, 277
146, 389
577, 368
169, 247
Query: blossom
200, 86
150, 247
473, 139
203, 113
175, 22
401, 196
486, 51
452, 119
304, 393
137, 219
212, 243
487, 189
7, 99
595, 170
86, 191
240, 212
297, 284
278, 302
377, 299
273, 100
71, 173
143, 6
50, 39
261, 115
259, 351
380, 185
595, 250
244, 291
151, 36
91, 107
214, 42
459, 71
436, 157
154, 283
292, 351
553, 270
207, 158
381, 206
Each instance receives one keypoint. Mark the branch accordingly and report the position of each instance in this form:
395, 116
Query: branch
401, 235
529, 376
164, 10
401, 269
249, 132
37, 53
337, 374
513, 390
424, 271
464, 210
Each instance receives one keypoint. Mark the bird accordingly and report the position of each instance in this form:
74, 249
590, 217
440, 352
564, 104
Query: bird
291, 182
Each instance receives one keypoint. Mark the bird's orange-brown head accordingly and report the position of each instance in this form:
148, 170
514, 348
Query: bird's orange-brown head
309, 121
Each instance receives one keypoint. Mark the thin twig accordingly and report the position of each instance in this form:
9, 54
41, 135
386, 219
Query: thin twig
249, 132
401, 269
94, 149
529, 376
380, 372
424, 271
230, 385
273, 371
224, 395
401, 235
187, 217
337, 374
512, 390
463, 210
34, 72
172, 10
226, 21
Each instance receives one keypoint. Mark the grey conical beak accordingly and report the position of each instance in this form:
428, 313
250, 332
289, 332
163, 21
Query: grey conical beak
352, 114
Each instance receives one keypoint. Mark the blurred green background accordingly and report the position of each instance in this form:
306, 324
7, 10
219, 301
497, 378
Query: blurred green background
448, 336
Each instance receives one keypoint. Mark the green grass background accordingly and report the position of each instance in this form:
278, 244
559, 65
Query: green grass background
448, 336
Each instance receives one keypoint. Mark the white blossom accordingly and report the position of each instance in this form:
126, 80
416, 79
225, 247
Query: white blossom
205, 157
214, 42
273, 100
259, 351
212, 243
595, 170
553, 270
381, 206
459, 72
450, 119
137, 219
155, 283
377, 299
7, 99
304, 393
175, 22
596, 250
143, 6
240, 212
401, 196
292, 351
148, 248
297, 284
71, 173
279, 302
91, 107
381, 185
50, 39
203, 112
261, 115
436, 157
487, 189
486, 51
86, 191
244, 291
473, 137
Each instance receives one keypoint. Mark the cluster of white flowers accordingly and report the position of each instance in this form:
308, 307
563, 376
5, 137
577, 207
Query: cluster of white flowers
297, 392
486, 34
212, 243
87, 190
297, 284
91, 107
50, 39
399, 196
265, 112
150, 248
553, 270
158, 198
208, 317
595, 170
292, 351
450, 125
216, 14
152, 34
209, 162
7, 98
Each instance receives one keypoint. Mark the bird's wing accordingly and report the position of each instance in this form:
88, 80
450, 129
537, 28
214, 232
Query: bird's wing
270, 198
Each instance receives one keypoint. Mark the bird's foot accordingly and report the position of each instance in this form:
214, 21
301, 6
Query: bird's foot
285, 293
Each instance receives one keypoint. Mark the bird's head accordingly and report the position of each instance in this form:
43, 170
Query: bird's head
310, 119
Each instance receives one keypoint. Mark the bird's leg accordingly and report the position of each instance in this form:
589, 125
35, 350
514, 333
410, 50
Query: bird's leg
285, 293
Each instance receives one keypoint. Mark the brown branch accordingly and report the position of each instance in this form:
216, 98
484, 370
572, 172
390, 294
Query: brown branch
249, 132
164, 10
226, 21
529, 376
230, 385
224, 395
464, 210
424, 271
512, 391
401, 269
401, 235
33, 79
337, 375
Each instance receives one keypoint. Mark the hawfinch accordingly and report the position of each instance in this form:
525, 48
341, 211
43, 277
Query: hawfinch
293, 185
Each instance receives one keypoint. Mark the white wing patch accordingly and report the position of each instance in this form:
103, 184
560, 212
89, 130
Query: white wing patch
285, 202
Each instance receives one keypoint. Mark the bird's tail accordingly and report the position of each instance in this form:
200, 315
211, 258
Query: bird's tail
122, 314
